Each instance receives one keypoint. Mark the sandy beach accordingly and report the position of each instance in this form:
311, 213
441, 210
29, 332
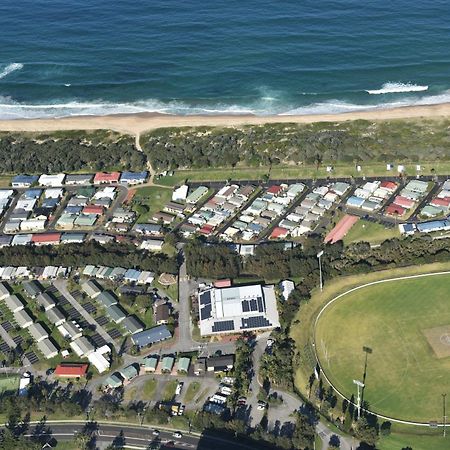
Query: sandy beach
139, 123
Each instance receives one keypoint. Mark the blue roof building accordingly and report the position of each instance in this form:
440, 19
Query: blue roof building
132, 275
434, 225
32, 193
24, 180
151, 336
133, 177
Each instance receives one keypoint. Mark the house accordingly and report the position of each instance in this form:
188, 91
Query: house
395, 210
162, 314
73, 238
47, 348
116, 313
81, 346
106, 299
150, 363
92, 288
279, 233
71, 370
106, 178
92, 209
163, 217
32, 288
132, 178
52, 180
148, 229
183, 364
114, 380
46, 239
23, 319
286, 287
167, 364
55, 316
24, 181
37, 331
99, 358
77, 179
70, 330
221, 363
180, 194
33, 225
45, 301
153, 245
151, 336
4, 291
129, 372
195, 196
200, 366
174, 208
13, 303
132, 324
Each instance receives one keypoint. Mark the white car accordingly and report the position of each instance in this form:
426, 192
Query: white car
177, 435
261, 405
155, 433
179, 388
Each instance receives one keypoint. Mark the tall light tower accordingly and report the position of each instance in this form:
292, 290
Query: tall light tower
359, 386
444, 417
320, 269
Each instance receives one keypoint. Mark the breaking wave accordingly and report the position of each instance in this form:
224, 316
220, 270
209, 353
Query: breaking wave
393, 88
9, 69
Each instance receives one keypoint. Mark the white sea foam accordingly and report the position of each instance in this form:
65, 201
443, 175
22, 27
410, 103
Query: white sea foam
10, 109
9, 69
392, 88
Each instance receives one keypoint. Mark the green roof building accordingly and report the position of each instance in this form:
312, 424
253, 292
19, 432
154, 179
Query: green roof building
167, 364
183, 364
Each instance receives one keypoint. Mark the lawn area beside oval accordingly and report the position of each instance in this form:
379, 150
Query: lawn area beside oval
404, 377
371, 232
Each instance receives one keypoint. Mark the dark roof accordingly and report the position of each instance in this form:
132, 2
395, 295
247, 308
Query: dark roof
219, 362
32, 288
132, 324
151, 336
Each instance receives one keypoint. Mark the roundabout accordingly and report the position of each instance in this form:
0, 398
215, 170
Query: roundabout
393, 336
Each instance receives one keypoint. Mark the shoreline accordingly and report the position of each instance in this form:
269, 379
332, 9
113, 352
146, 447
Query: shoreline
137, 123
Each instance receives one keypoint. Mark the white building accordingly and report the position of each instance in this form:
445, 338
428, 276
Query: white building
52, 180
286, 287
180, 194
237, 309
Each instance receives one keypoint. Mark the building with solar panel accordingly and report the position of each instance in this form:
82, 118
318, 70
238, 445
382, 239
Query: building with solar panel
237, 309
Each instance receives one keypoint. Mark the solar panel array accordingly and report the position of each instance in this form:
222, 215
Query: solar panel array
31, 356
98, 340
18, 339
4, 348
90, 308
226, 325
253, 305
7, 326
254, 322
115, 333
205, 312
205, 298
102, 320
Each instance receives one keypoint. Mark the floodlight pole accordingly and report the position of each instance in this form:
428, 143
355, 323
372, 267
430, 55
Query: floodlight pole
320, 269
359, 384
443, 413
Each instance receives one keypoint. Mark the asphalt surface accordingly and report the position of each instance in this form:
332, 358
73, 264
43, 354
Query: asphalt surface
141, 437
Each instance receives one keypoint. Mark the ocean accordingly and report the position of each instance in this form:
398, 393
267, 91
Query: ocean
61, 58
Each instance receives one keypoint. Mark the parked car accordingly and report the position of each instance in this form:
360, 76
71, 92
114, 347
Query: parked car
177, 435
179, 388
155, 432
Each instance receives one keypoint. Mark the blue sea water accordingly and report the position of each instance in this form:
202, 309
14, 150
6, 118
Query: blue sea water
71, 57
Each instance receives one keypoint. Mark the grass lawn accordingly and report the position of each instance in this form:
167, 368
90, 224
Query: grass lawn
404, 376
171, 290
9, 383
154, 198
296, 171
374, 233
149, 388
169, 390
417, 442
191, 391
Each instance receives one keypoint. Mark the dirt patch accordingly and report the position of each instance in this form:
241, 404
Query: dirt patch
439, 340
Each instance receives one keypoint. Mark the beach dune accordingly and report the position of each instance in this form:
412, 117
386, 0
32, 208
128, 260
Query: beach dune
139, 123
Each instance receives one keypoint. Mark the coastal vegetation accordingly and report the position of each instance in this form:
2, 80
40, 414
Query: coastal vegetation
317, 143
75, 255
68, 151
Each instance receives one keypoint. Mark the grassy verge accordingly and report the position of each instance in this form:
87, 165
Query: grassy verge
169, 390
170, 290
149, 388
191, 391
374, 233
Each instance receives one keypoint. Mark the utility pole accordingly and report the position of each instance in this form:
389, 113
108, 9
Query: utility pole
359, 386
320, 269
444, 417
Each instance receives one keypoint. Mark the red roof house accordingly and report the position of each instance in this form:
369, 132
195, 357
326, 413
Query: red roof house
206, 229
105, 177
93, 209
445, 202
279, 233
46, 238
275, 190
222, 283
389, 185
395, 210
71, 370
403, 201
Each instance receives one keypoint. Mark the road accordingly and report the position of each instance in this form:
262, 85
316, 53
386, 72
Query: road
61, 285
140, 437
